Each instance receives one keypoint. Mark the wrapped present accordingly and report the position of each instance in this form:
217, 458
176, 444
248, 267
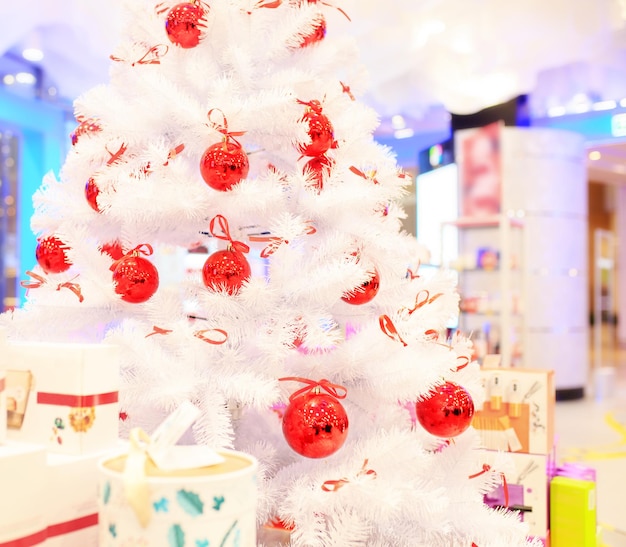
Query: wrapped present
525, 490
72, 500
194, 496
23, 501
518, 413
64, 396
573, 518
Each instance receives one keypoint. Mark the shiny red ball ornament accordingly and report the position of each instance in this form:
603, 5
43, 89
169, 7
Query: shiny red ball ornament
91, 193
184, 24
320, 131
113, 249
223, 165
90, 125
366, 292
136, 279
317, 34
318, 170
315, 425
226, 270
446, 411
51, 256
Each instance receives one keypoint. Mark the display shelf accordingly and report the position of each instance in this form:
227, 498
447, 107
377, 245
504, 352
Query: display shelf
498, 240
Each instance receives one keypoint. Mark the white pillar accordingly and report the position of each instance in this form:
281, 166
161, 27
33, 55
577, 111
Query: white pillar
544, 177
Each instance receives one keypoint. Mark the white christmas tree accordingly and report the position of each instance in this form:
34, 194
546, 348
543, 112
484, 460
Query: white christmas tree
233, 126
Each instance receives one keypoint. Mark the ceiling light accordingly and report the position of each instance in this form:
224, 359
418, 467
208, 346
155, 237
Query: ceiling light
594, 155
8, 79
32, 54
623, 103
25, 78
397, 122
556, 111
405, 133
604, 105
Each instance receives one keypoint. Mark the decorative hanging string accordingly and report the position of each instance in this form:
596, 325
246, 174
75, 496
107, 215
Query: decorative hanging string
413, 274
361, 174
505, 486
337, 8
117, 155
387, 326
346, 89
158, 330
334, 485
151, 57
336, 390
265, 4
276, 242
464, 359
223, 224
202, 335
74, 287
142, 249
421, 299
223, 127
39, 281
173, 153
163, 7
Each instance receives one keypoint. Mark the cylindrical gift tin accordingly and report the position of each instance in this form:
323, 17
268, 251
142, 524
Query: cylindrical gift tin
202, 507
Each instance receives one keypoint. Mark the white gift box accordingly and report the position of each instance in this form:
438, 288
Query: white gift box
207, 506
23, 499
64, 396
72, 504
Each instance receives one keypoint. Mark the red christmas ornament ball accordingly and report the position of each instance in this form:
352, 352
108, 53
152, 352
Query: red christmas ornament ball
320, 132
315, 425
90, 125
184, 24
227, 270
366, 292
317, 34
318, 170
51, 256
447, 410
223, 165
91, 193
136, 279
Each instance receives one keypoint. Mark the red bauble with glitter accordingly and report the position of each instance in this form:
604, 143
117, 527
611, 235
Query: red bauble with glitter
320, 131
136, 279
317, 34
91, 193
446, 411
366, 292
90, 125
184, 24
51, 256
113, 249
318, 170
226, 270
315, 425
223, 165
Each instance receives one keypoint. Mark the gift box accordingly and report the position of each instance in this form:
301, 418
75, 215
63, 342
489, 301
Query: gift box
518, 412
72, 504
23, 501
527, 489
64, 396
573, 512
207, 506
